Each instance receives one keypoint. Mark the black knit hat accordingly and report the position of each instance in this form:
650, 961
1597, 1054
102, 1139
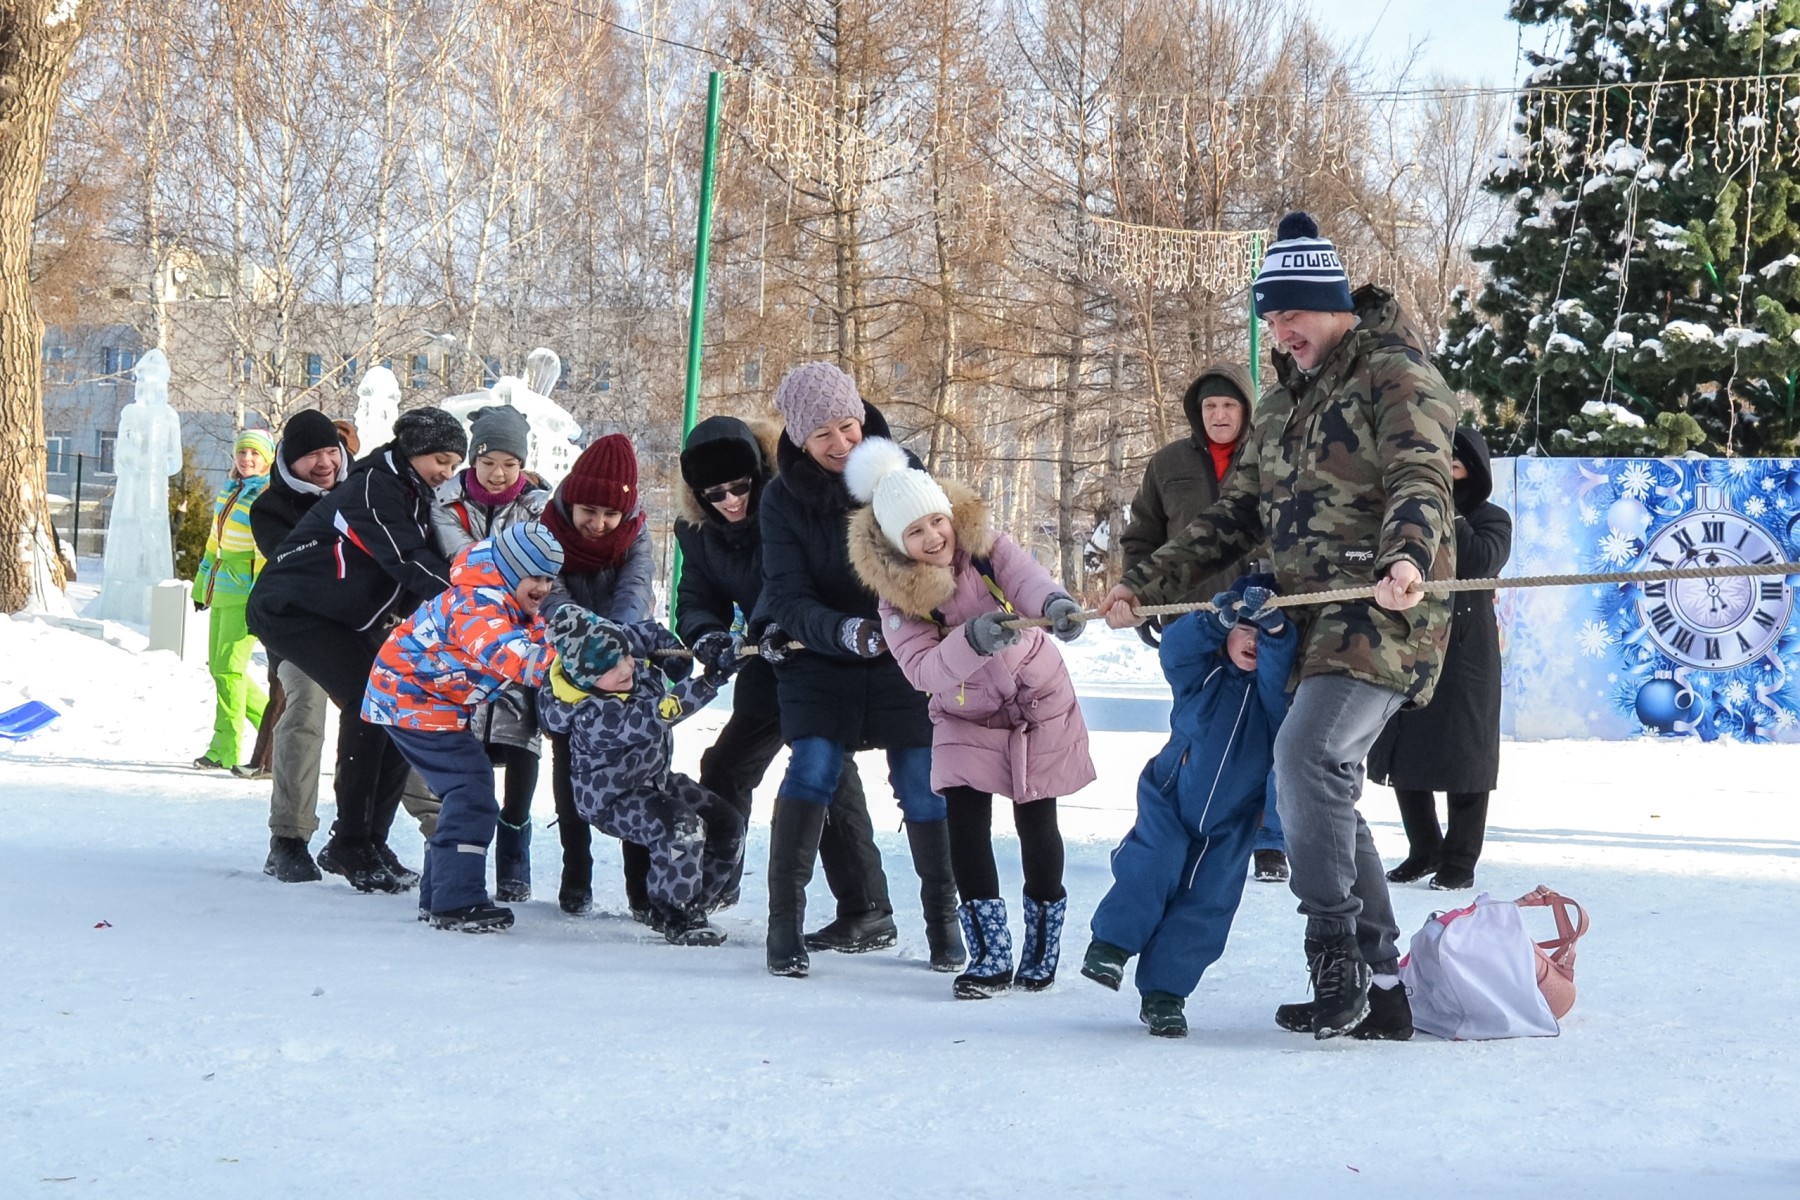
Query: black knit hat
429, 431
307, 431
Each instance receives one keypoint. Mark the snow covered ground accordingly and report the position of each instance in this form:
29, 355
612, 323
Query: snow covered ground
176, 1024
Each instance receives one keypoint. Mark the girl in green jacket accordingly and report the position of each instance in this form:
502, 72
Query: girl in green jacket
222, 585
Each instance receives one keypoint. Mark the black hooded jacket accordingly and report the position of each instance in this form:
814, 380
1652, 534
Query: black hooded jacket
1453, 743
721, 561
360, 555
810, 589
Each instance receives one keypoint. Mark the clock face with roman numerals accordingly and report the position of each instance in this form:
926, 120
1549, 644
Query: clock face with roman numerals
1714, 624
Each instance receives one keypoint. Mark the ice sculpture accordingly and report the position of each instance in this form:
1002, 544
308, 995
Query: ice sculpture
139, 552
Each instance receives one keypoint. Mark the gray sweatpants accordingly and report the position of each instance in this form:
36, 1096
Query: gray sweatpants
299, 744
1319, 753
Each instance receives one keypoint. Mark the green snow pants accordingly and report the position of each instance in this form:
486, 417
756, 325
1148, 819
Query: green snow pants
229, 645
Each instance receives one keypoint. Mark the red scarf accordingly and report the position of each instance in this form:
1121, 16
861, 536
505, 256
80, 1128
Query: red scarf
1221, 456
585, 555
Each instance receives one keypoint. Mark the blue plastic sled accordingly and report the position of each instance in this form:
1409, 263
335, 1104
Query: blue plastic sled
25, 720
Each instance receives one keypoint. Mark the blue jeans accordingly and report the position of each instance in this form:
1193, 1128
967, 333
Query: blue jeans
457, 770
1269, 836
814, 764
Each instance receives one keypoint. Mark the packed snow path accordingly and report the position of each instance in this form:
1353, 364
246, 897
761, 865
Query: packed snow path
177, 1024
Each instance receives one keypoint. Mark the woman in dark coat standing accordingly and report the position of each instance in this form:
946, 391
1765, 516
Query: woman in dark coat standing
726, 465
844, 692
1452, 745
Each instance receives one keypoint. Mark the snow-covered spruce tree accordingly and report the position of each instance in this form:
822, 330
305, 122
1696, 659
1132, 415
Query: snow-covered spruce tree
1627, 277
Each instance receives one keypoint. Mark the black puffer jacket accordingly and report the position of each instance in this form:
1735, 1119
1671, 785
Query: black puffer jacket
1453, 743
721, 561
362, 555
810, 590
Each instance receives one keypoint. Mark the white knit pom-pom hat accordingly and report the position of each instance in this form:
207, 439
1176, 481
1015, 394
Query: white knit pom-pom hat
878, 475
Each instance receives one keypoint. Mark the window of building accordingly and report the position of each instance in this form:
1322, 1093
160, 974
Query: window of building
59, 364
247, 369
603, 376
116, 361
315, 369
490, 371
271, 372
104, 440
59, 453
348, 373
421, 370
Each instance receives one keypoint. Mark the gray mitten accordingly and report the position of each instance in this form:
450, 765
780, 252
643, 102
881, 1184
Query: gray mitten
987, 634
1065, 617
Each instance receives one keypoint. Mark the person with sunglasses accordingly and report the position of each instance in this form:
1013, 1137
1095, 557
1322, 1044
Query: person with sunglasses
726, 464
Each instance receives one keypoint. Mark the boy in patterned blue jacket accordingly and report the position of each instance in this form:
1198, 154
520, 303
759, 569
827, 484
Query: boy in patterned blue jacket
619, 710
1179, 873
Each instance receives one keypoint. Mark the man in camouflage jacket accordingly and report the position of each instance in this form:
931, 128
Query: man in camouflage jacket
1346, 476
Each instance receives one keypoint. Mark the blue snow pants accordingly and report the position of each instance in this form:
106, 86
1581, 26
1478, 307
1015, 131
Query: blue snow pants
456, 768
1177, 880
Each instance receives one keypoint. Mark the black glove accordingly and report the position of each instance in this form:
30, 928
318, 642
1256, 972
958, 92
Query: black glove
987, 634
717, 652
861, 637
1255, 609
1065, 617
1148, 632
772, 647
200, 606
1225, 606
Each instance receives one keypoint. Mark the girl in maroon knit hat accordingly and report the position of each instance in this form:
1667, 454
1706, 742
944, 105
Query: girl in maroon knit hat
608, 565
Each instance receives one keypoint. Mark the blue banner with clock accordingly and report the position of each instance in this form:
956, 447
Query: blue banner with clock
1699, 658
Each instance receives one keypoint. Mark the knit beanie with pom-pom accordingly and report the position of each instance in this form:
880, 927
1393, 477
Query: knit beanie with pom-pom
879, 475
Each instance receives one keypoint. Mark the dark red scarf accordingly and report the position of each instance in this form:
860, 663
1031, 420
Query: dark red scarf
585, 555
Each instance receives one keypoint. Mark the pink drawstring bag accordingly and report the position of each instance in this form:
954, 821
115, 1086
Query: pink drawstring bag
1475, 974
1556, 957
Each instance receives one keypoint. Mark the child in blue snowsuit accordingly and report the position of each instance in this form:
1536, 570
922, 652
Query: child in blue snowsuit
1179, 873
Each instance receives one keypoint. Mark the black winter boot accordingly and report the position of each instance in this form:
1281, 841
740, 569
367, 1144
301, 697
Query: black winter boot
1104, 963
358, 864
512, 862
404, 876
289, 861
1162, 1012
1424, 840
930, 842
1340, 987
1467, 829
689, 928
852, 865
793, 845
1390, 1016
477, 918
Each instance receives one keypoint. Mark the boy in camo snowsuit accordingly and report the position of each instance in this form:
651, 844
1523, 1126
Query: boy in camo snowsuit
618, 709
1346, 474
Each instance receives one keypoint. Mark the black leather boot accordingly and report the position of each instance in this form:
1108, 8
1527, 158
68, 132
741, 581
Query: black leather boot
930, 842
852, 865
793, 845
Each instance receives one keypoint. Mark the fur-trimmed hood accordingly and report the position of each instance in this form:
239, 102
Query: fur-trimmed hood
761, 433
915, 588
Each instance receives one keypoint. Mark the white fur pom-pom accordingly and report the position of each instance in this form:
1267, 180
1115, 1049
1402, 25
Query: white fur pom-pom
871, 462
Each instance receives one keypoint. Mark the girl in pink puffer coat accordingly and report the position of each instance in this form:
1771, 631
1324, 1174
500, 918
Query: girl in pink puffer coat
1004, 716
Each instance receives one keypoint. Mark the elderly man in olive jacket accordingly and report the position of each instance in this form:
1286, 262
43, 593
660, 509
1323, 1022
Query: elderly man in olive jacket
1346, 475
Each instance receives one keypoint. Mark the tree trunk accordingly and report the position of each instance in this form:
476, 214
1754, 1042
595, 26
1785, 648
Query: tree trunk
34, 53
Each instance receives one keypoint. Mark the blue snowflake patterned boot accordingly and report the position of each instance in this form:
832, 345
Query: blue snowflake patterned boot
990, 968
1043, 943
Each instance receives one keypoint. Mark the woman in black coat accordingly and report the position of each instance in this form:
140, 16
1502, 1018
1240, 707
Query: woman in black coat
1452, 745
843, 692
726, 464
360, 559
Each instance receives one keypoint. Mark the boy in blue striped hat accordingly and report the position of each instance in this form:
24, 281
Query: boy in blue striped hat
456, 651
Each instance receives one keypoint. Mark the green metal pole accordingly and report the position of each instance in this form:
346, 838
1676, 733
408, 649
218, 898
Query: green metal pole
1256, 251
690, 412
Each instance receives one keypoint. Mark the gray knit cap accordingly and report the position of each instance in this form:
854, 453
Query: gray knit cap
815, 394
501, 429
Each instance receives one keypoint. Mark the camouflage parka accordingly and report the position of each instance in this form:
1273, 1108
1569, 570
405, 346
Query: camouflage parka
1346, 472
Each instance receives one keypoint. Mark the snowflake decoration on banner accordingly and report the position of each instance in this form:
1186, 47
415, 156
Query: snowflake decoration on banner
1594, 638
1755, 507
1636, 480
1617, 549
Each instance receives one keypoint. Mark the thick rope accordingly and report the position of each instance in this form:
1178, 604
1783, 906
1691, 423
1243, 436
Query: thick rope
1339, 595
